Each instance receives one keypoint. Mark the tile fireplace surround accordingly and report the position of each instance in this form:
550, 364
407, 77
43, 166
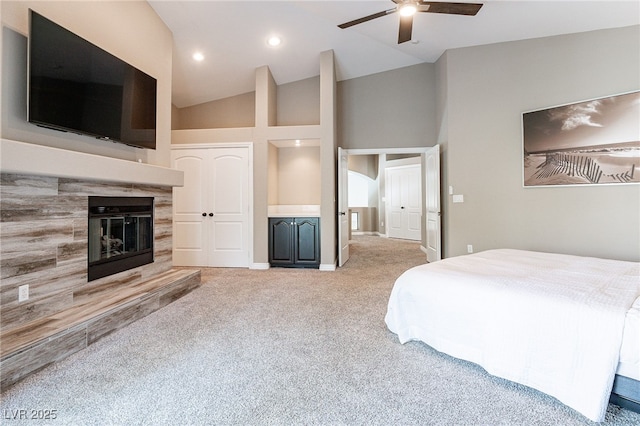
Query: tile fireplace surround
44, 230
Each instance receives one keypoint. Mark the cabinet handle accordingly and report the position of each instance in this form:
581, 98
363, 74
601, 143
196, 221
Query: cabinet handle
402, 207
210, 214
204, 214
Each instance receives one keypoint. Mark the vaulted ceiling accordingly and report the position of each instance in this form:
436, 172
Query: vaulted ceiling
232, 37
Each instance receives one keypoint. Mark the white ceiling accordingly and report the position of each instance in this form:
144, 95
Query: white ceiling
232, 35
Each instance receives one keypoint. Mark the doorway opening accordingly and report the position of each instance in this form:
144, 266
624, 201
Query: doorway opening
404, 202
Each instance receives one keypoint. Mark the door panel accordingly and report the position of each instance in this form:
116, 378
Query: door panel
343, 207
414, 203
228, 183
229, 176
434, 252
188, 236
307, 242
394, 207
229, 236
404, 205
280, 237
188, 206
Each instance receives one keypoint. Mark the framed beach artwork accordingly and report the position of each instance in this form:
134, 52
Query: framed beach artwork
594, 142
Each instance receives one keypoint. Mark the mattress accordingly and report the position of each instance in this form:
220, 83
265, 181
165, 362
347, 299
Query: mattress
561, 324
629, 363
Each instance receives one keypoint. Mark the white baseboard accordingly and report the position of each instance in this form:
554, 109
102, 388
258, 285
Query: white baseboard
261, 266
365, 233
423, 248
327, 267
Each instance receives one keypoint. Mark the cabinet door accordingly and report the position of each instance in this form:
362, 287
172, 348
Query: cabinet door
281, 241
307, 241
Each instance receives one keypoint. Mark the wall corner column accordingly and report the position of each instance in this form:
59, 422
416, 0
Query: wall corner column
328, 158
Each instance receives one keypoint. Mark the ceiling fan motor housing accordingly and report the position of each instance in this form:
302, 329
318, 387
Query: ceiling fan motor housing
407, 8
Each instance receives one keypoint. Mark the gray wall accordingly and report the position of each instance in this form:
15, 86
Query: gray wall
393, 109
482, 94
298, 103
235, 111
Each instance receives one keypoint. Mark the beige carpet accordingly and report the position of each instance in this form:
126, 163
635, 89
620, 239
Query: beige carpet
283, 347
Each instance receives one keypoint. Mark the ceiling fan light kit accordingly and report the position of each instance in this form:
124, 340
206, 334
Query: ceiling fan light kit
407, 8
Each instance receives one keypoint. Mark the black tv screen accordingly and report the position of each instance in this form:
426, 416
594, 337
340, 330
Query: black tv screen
77, 87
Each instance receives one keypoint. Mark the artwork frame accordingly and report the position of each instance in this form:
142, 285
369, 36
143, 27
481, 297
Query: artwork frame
590, 142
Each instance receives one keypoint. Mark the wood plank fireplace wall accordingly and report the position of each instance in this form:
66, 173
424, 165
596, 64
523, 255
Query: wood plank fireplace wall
43, 230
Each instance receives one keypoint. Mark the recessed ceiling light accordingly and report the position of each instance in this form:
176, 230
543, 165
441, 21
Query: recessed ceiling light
274, 41
198, 57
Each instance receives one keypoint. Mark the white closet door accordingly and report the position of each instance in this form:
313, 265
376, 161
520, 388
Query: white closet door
189, 206
229, 186
404, 205
211, 210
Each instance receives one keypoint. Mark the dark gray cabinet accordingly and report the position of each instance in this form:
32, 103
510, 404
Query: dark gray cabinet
294, 242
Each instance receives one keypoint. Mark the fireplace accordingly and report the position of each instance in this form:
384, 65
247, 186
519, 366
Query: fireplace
120, 234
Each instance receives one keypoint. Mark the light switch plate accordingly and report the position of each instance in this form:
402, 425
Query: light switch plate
459, 198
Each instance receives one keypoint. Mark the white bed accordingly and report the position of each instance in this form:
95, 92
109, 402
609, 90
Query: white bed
564, 325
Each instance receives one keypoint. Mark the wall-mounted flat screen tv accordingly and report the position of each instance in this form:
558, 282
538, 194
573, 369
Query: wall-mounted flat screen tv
75, 86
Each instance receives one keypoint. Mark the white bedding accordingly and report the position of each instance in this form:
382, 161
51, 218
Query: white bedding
629, 363
552, 322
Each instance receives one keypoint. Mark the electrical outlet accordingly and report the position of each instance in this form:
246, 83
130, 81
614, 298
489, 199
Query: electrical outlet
23, 293
469, 248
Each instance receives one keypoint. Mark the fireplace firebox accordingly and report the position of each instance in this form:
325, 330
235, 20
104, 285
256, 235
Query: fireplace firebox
120, 234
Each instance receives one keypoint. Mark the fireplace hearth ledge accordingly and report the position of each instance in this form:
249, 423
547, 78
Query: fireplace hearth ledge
35, 345
39, 160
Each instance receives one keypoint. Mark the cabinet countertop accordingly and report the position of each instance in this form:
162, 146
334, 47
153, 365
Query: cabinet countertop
294, 211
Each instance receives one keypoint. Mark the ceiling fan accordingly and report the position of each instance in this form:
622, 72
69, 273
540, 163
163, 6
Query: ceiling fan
408, 8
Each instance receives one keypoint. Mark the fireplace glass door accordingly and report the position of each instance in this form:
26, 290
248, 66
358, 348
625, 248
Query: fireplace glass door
120, 234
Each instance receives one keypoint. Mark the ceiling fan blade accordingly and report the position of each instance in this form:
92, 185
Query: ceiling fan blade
366, 18
470, 9
406, 25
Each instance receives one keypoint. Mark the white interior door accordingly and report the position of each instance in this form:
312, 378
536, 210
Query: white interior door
343, 207
404, 202
189, 209
432, 204
228, 200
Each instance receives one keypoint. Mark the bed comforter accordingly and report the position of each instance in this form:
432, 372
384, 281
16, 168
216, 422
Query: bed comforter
552, 322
